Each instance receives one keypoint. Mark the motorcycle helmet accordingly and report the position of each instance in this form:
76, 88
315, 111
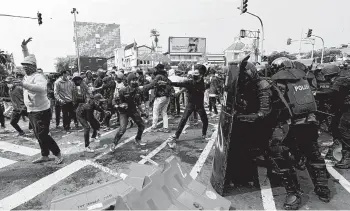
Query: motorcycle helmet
281, 63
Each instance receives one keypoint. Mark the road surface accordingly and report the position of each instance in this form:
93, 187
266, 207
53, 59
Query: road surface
24, 185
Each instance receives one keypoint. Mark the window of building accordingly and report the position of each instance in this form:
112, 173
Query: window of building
148, 62
140, 61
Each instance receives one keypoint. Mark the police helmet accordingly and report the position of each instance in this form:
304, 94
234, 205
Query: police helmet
281, 63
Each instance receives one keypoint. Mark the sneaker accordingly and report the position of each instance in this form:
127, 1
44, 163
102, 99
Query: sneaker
19, 134
172, 141
58, 159
88, 149
112, 147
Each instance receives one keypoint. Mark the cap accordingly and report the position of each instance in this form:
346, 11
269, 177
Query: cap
31, 60
76, 75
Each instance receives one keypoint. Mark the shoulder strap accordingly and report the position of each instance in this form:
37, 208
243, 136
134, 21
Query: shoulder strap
280, 95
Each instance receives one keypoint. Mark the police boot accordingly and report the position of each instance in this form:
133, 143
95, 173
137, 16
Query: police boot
344, 163
291, 184
320, 179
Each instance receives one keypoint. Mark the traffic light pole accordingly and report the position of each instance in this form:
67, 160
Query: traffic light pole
262, 33
322, 47
74, 11
16, 16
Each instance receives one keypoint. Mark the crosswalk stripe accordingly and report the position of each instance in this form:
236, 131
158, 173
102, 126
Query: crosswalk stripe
5, 146
266, 191
40, 186
6, 162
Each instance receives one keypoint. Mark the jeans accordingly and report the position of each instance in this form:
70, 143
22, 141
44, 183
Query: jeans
68, 115
212, 104
16, 116
2, 117
175, 105
123, 119
190, 108
57, 113
86, 122
41, 123
161, 106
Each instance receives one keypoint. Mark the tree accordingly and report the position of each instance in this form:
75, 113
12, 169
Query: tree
65, 63
276, 55
4, 61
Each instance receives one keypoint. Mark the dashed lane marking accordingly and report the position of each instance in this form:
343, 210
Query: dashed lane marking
6, 162
5, 146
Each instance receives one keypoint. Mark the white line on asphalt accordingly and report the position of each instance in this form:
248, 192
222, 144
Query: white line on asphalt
31, 191
6, 162
102, 168
203, 157
265, 189
149, 160
5, 146
342, 181
123, 142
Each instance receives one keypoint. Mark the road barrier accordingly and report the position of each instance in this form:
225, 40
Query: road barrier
147, 187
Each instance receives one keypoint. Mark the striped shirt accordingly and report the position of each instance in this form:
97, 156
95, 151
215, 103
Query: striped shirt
64, 90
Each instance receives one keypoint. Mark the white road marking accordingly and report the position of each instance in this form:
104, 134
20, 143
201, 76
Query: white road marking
203, 157
149, 160
6, 162
124, 142
266, 191
102, 168
5, 146
342, 181
31, 191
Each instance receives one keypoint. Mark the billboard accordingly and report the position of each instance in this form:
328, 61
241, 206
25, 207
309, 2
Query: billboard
187, 45
97, 39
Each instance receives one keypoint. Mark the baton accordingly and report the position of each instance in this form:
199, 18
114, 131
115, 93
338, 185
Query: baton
322, 112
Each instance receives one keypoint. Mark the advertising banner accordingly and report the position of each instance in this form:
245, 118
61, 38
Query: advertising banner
98, 39
187, 45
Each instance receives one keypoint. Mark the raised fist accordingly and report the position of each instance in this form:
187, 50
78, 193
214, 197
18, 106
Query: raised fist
25, 42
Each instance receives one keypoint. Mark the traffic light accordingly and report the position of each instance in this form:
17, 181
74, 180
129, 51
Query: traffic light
309, 33
244, 6
242, 33
289, 41
40, 20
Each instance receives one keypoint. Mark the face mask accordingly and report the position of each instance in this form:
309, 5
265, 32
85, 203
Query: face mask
134, 84
196, 78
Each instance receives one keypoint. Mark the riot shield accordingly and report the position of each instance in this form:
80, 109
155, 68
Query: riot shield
222, 149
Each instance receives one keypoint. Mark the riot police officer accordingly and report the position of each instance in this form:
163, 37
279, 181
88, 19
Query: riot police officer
296, 128
253, 111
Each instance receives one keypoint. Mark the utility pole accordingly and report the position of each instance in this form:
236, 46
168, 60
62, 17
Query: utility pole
301, 38
75, 12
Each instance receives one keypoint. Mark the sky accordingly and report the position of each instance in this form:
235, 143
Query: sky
217, 20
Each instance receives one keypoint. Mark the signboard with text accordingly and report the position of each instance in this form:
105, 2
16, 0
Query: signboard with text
187, 45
